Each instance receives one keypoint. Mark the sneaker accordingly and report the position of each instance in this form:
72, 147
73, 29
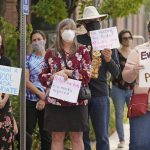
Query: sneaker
121, 144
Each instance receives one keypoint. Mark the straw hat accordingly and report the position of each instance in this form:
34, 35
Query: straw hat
91, 12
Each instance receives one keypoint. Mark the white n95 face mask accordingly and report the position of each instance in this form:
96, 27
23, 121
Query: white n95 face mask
68, 35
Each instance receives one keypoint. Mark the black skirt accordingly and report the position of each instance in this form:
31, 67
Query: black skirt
66, 119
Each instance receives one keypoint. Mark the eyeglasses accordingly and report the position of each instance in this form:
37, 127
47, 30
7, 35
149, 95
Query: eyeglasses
127, 38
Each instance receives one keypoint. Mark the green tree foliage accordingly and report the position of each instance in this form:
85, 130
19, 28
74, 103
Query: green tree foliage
11, 36
115, 8
51, 10
120, 8
11, 39
71, 6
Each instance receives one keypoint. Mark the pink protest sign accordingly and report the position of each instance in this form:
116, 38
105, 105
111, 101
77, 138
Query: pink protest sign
66, 90
105, 38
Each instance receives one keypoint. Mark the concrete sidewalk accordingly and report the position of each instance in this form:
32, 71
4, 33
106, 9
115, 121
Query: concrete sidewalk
114, 139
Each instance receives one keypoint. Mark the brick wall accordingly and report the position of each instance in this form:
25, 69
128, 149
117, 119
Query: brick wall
11, 14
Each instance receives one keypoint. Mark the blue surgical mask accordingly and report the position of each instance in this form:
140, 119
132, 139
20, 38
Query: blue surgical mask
38, 45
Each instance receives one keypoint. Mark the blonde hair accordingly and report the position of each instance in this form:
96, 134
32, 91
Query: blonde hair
59, 42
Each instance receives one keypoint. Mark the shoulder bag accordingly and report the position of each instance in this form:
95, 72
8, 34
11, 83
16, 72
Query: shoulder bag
85, 92
138, 105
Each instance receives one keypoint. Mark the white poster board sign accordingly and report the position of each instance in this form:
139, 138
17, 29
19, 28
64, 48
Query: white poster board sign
66, 90
10, 80
144, 74
105, 38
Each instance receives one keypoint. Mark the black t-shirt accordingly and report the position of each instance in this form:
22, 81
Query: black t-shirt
99, 86
5, 61
119, 82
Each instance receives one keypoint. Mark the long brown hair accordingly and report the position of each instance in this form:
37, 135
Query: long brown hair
2, 49
38, 31
59, 42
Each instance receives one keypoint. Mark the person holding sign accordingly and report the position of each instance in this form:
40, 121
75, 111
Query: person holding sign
121, 90
102, 62
139, 126
68, 60
6, 116
35, 92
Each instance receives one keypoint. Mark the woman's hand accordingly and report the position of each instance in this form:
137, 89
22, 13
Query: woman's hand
63, 74
40, 105
107, 54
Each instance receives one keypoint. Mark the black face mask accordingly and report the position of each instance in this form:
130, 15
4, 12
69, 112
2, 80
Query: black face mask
93, 25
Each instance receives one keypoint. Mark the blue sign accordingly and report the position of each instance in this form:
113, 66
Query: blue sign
26, 7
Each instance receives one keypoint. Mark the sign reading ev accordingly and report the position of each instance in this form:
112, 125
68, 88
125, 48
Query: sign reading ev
26, 7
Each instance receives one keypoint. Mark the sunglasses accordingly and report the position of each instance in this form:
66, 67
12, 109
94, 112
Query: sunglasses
90, 20
127, 38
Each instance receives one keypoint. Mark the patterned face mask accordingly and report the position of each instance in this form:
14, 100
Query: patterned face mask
38, 45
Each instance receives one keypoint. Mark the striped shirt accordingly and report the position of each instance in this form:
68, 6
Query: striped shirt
34, 64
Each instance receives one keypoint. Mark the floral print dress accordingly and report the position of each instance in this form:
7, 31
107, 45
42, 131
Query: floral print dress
6, 127
79, 62
6, 119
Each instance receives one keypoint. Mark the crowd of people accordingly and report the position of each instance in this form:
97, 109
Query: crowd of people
73, 57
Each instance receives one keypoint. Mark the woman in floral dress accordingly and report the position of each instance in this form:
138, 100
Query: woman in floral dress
69, 60
6, 117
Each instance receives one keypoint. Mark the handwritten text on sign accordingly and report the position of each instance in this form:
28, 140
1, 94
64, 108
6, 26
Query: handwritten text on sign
104, 38
66, 90
144, 74
9, 80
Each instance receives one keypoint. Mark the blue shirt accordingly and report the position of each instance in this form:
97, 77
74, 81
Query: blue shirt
34, 63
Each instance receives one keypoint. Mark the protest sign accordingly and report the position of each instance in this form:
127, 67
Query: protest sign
10, 80
66, 90
144, 74
104, 38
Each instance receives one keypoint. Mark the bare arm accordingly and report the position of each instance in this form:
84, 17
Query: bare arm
132, 67
4, 101
128, 73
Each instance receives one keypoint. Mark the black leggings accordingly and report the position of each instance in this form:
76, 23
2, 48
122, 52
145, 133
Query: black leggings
32, 117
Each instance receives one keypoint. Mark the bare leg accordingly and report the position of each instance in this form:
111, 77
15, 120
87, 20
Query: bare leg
57, 140
77, 140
